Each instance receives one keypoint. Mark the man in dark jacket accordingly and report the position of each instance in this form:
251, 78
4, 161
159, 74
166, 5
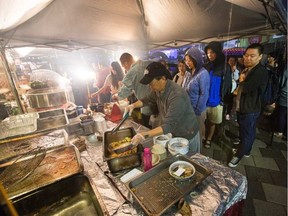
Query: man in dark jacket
253, 81
220, 83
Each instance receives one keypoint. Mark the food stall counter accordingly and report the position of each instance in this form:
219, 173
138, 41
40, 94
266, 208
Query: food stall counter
220, 192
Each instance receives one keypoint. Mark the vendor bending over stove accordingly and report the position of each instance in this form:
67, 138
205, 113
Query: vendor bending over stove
175, 110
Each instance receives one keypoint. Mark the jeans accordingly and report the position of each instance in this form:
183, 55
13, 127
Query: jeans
247, 132
280, 119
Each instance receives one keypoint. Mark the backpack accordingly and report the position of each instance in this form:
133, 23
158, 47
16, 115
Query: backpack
270, 94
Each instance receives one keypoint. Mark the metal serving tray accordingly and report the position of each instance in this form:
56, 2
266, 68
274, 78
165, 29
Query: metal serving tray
125, 162
58, 164
71, 196
52, 119
156, 190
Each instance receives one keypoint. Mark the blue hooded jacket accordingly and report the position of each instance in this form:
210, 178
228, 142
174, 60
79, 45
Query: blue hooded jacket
198, 87
220, 75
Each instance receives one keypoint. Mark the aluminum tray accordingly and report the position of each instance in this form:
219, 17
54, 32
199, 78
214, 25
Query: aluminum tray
70, 196
52, 119
58, 164
125, 162
156, 190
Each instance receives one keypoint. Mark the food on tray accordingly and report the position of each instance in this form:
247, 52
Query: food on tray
131, 151
181, 170
120, 143
38, 85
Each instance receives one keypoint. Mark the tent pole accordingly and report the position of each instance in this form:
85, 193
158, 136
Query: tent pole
10, 79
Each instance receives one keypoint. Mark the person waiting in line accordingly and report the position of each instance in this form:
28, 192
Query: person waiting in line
113, 81
220, 82
240, 63
198, 88
165, 63
275, 67
130, 84
179, 77
281, 107
175, 110
253, 81
229, 98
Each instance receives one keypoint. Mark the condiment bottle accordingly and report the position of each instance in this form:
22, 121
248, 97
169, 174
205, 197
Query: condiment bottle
147, 159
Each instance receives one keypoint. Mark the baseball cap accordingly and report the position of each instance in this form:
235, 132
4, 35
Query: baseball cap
154, 69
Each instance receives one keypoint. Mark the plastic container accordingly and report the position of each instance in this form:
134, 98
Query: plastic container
147, 159
178, 145
19, 124
162, 139
160, 150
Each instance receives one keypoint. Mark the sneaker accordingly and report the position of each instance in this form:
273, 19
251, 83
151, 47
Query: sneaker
227, 117
278, 134
236, 141
247, 155
234, 162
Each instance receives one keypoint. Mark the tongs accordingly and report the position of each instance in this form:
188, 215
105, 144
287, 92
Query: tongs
125, 116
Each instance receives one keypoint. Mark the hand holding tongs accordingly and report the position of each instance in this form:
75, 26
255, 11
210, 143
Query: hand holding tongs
125, 116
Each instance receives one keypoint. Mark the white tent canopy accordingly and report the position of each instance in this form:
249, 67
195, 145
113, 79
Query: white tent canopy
140, 24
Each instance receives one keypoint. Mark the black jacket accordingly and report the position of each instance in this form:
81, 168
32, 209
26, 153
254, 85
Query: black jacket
252, 89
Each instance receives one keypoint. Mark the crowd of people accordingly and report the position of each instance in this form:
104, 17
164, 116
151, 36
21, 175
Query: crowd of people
194, 103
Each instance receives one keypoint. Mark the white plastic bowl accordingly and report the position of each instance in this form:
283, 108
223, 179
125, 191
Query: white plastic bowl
178, 145
159, 150
182, 165
162, 139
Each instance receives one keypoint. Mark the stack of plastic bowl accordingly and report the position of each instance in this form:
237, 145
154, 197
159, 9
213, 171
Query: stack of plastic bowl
178, 145
162, 139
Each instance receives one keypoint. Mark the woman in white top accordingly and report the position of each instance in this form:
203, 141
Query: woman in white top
235, 77
179, 77
113, 81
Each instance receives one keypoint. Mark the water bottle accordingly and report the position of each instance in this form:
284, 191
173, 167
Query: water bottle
147, 159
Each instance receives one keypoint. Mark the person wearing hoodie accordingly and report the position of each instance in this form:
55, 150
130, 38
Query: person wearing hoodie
198, 87
220, 83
